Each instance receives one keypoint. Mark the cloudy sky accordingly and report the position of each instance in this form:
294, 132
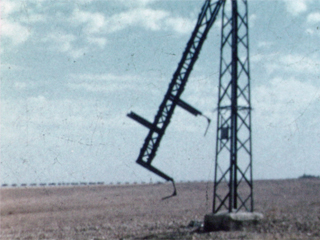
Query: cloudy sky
72, 70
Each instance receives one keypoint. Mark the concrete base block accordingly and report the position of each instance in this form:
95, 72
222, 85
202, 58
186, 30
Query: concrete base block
230, 221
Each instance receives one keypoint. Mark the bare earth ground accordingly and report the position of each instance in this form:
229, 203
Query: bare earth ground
291, 209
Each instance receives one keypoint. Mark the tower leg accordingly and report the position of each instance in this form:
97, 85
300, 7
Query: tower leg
233, 165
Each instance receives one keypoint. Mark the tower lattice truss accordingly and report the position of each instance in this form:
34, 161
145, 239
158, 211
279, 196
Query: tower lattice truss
233, 162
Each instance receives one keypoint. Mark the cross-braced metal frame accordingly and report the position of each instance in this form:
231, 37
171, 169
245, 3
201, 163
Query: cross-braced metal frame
233, 165
206, 19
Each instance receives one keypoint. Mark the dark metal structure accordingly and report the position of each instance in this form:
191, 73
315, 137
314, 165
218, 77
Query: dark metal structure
206, 19
234, 109
233, 165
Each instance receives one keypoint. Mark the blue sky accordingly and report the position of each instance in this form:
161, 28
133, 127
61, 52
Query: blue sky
72, 70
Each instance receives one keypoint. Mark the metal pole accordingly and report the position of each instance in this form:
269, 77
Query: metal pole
234, 105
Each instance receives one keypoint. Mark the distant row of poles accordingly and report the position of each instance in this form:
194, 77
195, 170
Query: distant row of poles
82, 184
52, 184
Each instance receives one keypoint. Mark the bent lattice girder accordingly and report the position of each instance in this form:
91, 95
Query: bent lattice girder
206, 19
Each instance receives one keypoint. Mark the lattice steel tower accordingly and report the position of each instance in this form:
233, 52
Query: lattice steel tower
233, 165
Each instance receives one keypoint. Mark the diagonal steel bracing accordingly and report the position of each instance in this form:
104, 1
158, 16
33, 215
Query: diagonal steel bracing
233, 166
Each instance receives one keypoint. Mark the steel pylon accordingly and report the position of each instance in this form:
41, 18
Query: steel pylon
233, 163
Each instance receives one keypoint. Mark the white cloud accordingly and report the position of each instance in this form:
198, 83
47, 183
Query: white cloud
94, 25
108, 83
314, 17
95, 22
65, 44
180, 25
40, 111
309, 31
33, 18
20, 85
300, 63
101, 42
256, 57
16, 32
12, 27
293, 63
93, 83
149, 19
295, 7
281, 101
84, 2
136, 3
8, 7
265, 44
252, 20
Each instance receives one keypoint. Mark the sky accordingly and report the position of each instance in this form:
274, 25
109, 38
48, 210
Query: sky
72, 70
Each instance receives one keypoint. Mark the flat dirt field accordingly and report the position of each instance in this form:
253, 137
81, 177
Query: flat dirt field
291, 209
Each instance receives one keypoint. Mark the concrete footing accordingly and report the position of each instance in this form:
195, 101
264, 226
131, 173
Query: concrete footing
230, 221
